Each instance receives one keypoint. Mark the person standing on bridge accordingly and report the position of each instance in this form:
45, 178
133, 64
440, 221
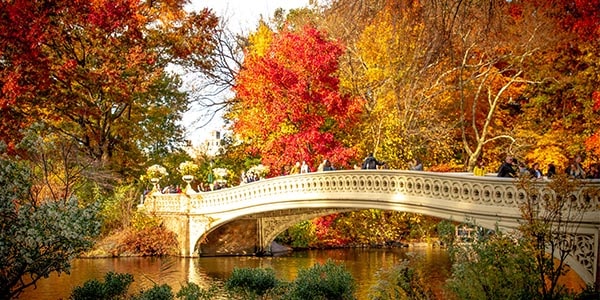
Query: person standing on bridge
325, 166
295, 169
416, 165
371, 163
507, 168
304, 168
479, 169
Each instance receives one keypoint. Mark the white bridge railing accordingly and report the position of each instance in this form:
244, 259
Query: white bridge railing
497, 194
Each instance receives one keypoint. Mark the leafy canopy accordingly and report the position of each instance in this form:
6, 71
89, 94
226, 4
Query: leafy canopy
289, 107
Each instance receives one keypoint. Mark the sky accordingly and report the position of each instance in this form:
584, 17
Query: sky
244, 14
243, 17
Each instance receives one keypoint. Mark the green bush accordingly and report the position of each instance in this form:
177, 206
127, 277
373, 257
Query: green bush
251, 282
400, 282
115, 286
118, 209
91, 289
157, 292
192, 291
38, 236
446, 232
326, 281
495, 267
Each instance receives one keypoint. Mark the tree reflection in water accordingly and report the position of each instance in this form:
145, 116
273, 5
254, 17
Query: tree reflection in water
363, 264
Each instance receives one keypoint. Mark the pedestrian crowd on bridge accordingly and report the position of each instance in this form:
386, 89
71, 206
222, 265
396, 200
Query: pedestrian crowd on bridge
512, 167
368, 163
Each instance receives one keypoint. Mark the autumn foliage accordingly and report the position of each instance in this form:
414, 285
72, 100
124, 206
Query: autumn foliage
95, 70
289, 107
151, 241
593, 142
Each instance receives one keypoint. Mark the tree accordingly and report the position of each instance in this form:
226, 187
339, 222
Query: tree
37, 239
529, 263
551, 216
92, 70
558, 111
211, 89
593, 142
494, 267
395, 64
488, 55
289, 107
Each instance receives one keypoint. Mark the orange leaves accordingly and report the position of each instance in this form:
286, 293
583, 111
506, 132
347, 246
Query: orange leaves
95, 69
593, 142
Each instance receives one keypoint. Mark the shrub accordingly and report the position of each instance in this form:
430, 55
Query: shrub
115, 286
494, 267
192, 291
326, 281
38, 237
251, 281
400, 282
157, 292
118, 209
153, 241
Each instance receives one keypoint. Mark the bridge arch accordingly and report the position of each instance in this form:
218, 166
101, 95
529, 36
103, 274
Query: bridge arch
486, 201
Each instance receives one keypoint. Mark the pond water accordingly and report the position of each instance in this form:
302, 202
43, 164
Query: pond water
363, 264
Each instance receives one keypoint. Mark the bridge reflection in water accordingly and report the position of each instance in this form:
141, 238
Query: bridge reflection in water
244, 220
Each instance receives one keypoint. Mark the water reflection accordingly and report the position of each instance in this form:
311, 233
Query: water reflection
363, 264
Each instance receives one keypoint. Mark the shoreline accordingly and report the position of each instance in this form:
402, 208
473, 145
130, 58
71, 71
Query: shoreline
109, 248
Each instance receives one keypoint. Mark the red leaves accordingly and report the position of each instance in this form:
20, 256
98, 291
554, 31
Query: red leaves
326, 233
290, 103
89, 67
585, 18
580, 16
596, 100
593, 143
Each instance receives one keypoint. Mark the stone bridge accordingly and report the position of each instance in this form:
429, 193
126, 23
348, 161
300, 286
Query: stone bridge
244, 220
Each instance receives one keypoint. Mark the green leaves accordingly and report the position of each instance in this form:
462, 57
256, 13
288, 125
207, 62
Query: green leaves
38, 239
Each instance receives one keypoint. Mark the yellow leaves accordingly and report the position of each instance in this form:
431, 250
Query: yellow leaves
287, 128
260, 40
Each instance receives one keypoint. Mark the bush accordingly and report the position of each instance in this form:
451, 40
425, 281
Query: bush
38, 237
152, 241
251, 281
115, 286
400, 282
192, 291
327, 281
495, 267
119, 208
446, 232
157, 292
